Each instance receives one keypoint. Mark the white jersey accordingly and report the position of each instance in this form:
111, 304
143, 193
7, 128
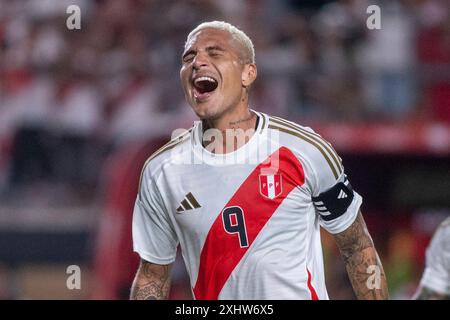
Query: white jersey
437, 269
246, 220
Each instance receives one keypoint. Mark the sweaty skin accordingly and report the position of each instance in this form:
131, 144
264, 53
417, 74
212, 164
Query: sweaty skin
214, 53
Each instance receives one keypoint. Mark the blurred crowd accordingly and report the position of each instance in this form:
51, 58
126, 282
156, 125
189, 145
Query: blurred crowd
68, 97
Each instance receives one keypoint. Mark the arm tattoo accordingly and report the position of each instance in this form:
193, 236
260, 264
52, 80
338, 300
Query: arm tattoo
152, 282
361, 261
428, 294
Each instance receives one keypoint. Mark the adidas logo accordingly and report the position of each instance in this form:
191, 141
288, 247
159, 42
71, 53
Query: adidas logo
342, 195
188, 203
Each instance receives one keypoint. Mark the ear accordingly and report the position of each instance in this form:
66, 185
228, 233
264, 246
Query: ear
249, 74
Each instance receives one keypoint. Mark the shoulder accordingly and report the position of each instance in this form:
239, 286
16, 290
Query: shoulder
443, 234
165, 154
446, 224
308, 145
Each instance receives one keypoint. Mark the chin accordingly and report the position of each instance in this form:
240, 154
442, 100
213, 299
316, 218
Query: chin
206, 111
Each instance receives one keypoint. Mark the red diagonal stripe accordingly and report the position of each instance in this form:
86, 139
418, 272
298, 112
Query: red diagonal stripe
311, 288
221, 252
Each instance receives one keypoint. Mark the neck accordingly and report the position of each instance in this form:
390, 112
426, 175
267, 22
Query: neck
244, 119
232, 130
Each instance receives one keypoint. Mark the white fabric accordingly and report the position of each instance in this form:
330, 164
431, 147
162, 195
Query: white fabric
437, 270
275, 264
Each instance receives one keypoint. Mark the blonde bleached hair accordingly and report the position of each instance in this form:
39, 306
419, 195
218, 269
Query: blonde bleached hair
237, 34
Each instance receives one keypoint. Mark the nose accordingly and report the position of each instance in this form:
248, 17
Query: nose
200, 60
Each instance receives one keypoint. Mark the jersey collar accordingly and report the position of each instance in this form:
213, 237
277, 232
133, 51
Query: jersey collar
239, 156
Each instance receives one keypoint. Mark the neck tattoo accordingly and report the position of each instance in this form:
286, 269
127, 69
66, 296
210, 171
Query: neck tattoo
233, 123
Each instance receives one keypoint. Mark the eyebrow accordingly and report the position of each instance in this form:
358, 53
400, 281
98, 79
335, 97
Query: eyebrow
215, 48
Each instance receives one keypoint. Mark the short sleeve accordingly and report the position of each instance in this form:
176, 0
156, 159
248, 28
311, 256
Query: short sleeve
437, 273
154, 238
335, 201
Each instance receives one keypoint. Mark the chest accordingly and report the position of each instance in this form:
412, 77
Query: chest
237, 201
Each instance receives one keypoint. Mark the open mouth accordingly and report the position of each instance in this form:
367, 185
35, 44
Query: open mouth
204, 86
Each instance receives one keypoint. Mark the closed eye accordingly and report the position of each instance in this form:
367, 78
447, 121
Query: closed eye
188, 56
215, 51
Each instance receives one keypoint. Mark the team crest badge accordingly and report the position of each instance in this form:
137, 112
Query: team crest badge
270, 185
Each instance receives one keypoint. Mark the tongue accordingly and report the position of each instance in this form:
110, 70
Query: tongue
205, 86
201, 96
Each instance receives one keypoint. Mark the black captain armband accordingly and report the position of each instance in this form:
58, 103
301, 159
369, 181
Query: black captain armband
334, 202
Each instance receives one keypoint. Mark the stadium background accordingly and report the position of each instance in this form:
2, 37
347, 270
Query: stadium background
81, 110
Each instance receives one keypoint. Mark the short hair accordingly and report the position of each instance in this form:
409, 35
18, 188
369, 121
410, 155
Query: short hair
237, 34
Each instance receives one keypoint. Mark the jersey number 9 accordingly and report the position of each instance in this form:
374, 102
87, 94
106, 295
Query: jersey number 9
234, 223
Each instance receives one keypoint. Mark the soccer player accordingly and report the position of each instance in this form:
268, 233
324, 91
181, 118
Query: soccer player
246, 213
435, 283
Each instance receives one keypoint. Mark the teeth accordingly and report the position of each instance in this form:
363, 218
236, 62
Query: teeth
204, 79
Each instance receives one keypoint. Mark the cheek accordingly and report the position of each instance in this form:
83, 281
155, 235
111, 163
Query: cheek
184, 73
184, 80
234, 77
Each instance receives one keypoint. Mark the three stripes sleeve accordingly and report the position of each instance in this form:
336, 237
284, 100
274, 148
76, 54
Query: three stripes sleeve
334, 200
